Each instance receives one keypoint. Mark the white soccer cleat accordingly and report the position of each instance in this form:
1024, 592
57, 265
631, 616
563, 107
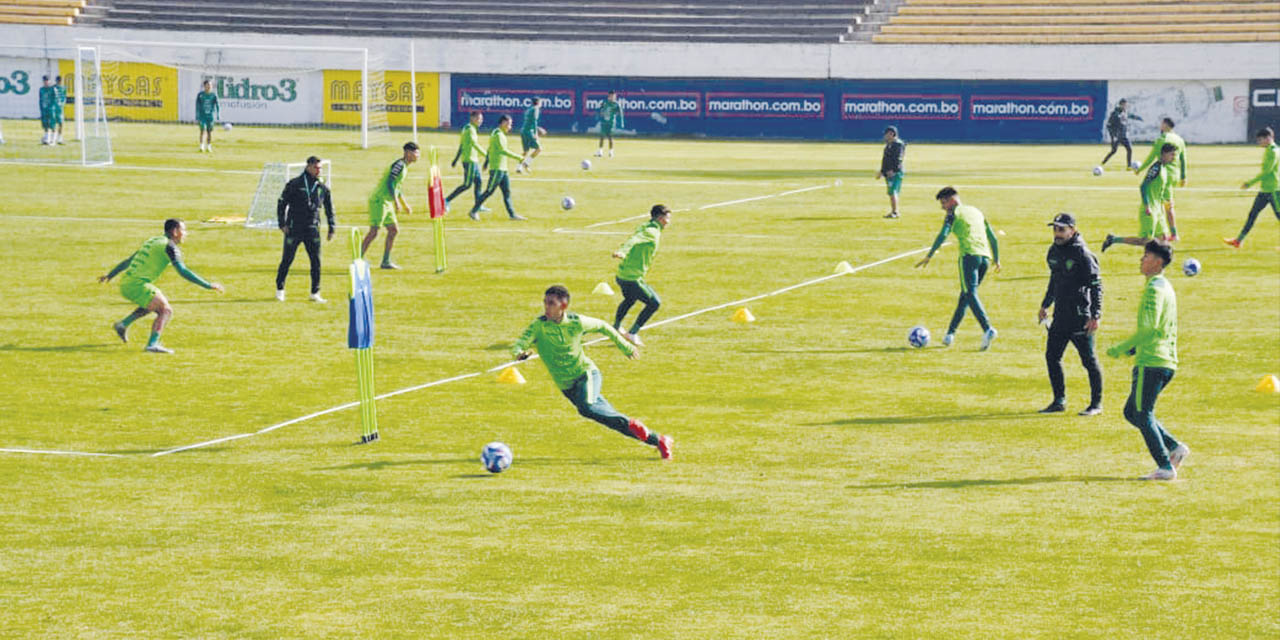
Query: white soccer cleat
1177, 456
599, 153
611, 153
315, 297
280, 295
1161, 474
520, 168
157, 348
988, 338
948, 339
632, 338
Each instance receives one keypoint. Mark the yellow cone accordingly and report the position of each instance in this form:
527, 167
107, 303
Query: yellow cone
602, 289
844, 267
1269, 384
743, 316
510, 375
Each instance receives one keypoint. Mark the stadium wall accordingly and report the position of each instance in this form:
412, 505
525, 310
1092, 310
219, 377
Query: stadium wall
1049, 93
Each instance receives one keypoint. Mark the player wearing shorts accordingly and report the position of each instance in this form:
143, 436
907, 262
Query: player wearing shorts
529, 134
1157, 192
1167, 136
895, 151
387, 201
207, 112
609, 115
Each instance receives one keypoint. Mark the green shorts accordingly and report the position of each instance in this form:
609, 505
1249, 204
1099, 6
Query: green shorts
46, 120
382, 212
138, 292
1152, 226
606, 129
529, 140
894, 184
205, 125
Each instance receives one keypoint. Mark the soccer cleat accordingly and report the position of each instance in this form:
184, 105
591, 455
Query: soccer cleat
665, 443
388, 265
520, 168
210, 149
1177, 456
1161, 474
988, 338
1054, 407
157, 348
599, 153
315, 297
1106, 244
1173, 239
516, 216
892, 215
638, 430
611, 153
1091, 410
122, 331
948, 339
484, 209
1234, 242
280, 295
474, 215
632, 338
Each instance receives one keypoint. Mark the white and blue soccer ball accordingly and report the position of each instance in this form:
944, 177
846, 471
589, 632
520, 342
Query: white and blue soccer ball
566, 203
496, 457
586, 165
918, 336
1191, 267
1135, 166
226, 126
1097, 171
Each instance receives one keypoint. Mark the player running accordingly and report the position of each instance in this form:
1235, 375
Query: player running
529, 134
1157, 194
142, 269
557, 336
387, 201
1268, 181
1167, 136
498, 176
469, 152
609, 115
207, 112
978, 250
1118, 129
636, 255
895, 151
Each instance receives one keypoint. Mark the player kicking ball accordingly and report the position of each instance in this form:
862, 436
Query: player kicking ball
142, 269
557, 337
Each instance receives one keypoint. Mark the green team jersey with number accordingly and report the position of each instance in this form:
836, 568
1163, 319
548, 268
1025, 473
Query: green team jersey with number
498, 151
389, 186
149, 262
530, 123
610, 113
1180, 160
639, 249
48, 100
1155, 343
1269, 178
1157, 186
469, 146
559, 345
207, 106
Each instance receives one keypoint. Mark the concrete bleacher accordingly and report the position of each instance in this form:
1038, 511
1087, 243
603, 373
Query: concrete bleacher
1080, 22
813, 21
45, 12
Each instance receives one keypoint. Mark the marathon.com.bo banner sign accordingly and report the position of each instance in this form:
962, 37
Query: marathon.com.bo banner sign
1264, 105
813, 109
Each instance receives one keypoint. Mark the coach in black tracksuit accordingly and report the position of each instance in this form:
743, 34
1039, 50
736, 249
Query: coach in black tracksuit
298, 212
1118, 128
1075, 292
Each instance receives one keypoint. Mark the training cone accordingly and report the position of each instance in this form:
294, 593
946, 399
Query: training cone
1268, 384
844, 267
602, 289
743, 316
510, 375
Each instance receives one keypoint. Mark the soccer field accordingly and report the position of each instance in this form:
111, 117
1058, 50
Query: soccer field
829, 481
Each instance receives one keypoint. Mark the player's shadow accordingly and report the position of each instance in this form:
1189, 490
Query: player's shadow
813, 351
988, 482
226, 300
59, 348
498, 346
928, 419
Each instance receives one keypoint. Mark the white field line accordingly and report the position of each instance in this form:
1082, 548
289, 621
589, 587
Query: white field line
62, 453
704, 207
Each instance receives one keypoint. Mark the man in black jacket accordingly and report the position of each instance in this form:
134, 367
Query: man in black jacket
298, 212
1075, 292
1118, 128
895, 149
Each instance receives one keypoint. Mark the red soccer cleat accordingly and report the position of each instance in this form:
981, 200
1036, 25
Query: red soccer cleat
664, 447
638, 430
1232, 241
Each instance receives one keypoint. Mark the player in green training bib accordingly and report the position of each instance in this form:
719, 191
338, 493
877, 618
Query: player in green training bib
1157, 193
557, 337
609, 115
1167, 136
470, 153
498, 176
387, 200
207, 112
636, 255
978, 250
530, 133
1155, 349
141, 270
1268, 181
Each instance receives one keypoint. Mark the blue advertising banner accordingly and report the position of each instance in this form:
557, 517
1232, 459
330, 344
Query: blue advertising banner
925, 110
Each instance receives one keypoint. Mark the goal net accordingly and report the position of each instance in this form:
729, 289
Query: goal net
62, 123
262, 210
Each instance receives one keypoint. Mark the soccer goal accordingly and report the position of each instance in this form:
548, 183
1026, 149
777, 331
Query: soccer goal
262, 211
61, 122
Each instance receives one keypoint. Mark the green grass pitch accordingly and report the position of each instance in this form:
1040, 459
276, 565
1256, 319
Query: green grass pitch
829, 481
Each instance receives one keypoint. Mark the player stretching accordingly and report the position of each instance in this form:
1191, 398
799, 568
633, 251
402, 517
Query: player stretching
1155, 347
895, 151
498, 176
387, 200
469, 152
1118, 129
609, 115
143, 268
1156, 188
978, 250
1167, 136
1268, 180
207, 112
557, 336
636, 255
529, 133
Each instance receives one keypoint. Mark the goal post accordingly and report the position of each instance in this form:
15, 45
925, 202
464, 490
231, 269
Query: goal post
262, 209
72, 107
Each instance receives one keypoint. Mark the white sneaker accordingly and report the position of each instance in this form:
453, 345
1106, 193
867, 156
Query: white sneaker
1178, 455
210, 149
156, 348
1161, 474
987, 339
520, 168
611, 153
280, 295
599, 153
948, 339
633, 339
315, 297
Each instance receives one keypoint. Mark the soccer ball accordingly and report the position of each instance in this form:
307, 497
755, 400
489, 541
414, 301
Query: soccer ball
496, 457
918, 336
1191, 267
226, 126
586, 165
566, 203
1097, 171
1135, 166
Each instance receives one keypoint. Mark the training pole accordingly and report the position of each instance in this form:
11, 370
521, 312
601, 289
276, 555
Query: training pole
435, 205
360, 337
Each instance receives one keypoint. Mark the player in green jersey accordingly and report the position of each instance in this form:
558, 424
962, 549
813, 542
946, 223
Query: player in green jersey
1167, 136
636, 255
498, 176
1155, 349
470, 153
1268, 181
387, 201
530, 133
141, 270
1157, 193
207, 112
557, 337
59, 108
48, 103
609, 115
978, 250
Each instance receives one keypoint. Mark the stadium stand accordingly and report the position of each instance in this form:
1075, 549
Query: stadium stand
1078, 22
47, 12
815, 21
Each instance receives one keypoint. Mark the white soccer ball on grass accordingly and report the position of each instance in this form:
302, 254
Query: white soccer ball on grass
586, 165
566, 203
1097, 171
496, 457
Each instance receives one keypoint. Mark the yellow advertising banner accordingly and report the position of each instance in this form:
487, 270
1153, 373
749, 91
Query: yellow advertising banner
136, 91
342, 91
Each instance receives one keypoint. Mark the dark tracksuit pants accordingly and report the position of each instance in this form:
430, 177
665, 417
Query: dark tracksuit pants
497, 180
973, 269
1116, 141
1057, 345
309, 237
470, 180
585, 395
1140, 411
634, 291
1260, 202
